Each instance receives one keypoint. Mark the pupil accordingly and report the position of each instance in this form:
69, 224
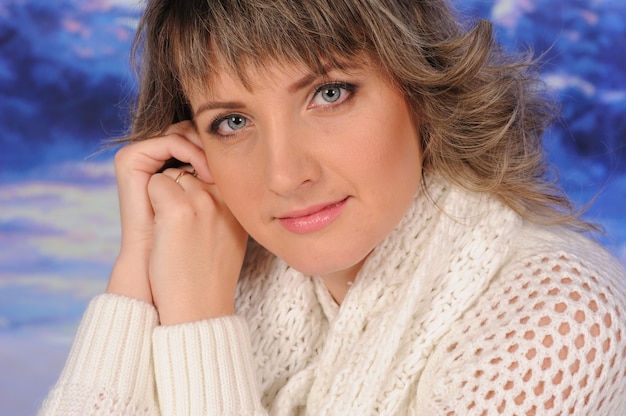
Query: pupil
236, 122
331, 94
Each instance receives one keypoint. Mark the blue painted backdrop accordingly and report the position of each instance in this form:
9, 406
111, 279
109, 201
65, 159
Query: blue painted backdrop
64, 84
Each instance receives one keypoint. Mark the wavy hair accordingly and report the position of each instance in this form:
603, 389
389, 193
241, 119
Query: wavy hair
481, 112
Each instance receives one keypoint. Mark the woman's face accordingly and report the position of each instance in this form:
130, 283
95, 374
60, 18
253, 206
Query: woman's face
318, 170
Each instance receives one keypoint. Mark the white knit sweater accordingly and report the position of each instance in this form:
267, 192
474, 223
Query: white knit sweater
463, 310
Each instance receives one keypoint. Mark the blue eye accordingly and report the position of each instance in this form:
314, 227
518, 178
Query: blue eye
333, 92
228, 124
236, 122
330, 94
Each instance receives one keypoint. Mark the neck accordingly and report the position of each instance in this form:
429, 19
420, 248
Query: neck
338, 283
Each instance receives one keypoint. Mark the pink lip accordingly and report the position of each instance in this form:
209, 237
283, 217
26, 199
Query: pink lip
313, 218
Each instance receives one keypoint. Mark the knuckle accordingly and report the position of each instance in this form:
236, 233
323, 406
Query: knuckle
122, 154
125, 155
205, 202
182, 211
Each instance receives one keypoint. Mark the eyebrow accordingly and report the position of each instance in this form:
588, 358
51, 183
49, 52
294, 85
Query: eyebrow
303, 82
213, 105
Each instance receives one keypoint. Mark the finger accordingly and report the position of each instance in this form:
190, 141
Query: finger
181, 187
179, 174
193, 157
187, 129
179, 202
150, 155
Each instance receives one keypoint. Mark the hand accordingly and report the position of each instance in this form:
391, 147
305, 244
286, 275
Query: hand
135, 164
198, 249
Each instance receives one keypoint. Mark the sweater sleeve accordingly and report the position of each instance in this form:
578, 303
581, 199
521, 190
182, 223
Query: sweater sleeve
549, 340
109, 369
206, 368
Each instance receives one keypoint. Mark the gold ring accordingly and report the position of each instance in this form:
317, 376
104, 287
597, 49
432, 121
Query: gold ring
180, 175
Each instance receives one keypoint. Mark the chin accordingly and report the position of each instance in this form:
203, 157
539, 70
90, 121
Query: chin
326, 268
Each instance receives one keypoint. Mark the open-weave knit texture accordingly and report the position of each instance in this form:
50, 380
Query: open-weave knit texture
463, 309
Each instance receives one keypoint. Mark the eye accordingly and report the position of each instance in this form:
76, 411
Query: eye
331, 93
228, 125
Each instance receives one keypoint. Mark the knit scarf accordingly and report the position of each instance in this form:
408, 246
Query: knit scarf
367, 356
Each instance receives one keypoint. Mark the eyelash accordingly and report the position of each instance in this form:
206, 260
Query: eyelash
349, 89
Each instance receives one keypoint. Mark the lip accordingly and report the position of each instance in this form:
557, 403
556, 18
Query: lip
313, 218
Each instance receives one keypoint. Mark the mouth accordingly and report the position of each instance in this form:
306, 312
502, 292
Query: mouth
313, 218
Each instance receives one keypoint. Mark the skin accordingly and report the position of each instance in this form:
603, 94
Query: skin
289, 145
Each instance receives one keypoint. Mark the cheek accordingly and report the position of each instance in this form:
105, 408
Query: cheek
406, 139
238, 190
230, 181
393, 130
396, 151
241, 193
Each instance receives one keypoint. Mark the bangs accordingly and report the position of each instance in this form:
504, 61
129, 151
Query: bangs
208, 36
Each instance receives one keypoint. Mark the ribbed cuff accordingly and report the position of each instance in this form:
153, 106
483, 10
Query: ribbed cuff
112, 349
206, 367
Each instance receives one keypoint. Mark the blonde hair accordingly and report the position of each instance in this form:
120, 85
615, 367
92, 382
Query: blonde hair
481, 112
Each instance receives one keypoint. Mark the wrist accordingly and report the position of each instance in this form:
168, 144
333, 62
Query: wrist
185, 310
130, 278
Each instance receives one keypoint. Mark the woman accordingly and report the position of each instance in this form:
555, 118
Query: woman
360, 223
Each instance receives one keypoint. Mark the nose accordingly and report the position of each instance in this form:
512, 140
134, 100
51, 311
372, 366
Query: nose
290, 163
